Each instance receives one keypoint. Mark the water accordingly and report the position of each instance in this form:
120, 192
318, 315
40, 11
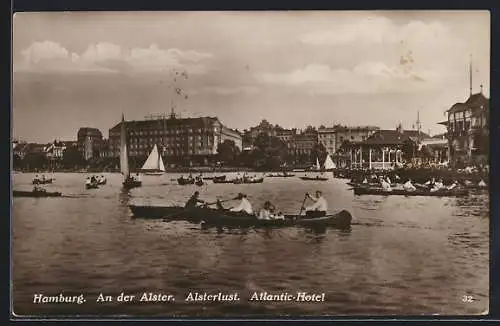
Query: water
402, 256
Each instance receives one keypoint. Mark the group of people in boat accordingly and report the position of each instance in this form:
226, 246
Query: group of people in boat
197, 179
92, 180
268, 211
41, 179
432, 184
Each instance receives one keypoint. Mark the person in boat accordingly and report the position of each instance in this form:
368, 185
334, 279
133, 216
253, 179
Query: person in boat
318, 208
38, 189
388, 180
88, 181
265, 212
385, 185
438, 185
365, 181
453, 185
481, 184
102, 179
408, 186
194, 200
430, 183
244, 205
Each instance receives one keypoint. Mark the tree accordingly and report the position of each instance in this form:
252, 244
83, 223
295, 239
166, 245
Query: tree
319, 151
227, 151
409, 149
72, 157
35, 161
269, 152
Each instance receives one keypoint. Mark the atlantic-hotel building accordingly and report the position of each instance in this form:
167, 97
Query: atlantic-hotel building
180, 140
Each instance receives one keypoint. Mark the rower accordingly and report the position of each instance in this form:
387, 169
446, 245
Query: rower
385, 185
408, 186
266, 211
481, 184
388, 180
365, 181
430, 183
453, 185
194, 200
244, 205
38, 189
318, 208
437, 186
137, 177
88, 181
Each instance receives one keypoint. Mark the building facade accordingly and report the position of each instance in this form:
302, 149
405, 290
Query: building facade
353, 134
328, 138
90, 142
468, 131
191, 141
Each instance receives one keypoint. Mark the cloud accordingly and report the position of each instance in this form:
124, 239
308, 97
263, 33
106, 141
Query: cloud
109, 57
378, 30
367, 77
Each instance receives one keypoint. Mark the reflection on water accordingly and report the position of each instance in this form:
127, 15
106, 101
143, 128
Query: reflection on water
402, 255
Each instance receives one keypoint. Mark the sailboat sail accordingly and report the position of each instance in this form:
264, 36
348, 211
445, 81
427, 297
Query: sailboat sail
329, 163
317, 164
123, 150
154, 161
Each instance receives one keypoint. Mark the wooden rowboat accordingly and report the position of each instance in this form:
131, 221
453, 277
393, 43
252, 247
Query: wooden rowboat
225, 218
419, 192
314, 178
35, 194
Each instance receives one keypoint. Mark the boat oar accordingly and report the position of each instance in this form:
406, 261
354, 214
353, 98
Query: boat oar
303, 202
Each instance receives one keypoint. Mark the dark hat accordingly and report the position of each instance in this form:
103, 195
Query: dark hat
196, 192
241, 195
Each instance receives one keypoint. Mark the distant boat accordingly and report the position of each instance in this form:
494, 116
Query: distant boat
128, 182
329, 165
318, 167
154, 163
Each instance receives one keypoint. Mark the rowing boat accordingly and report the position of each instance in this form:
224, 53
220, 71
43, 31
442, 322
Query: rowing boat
35, 194
248, 180
42, 181
419, 192
222, 181
93, 185
314, 178
225, 218
282, 175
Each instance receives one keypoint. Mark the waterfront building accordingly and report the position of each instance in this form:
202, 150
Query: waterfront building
55, 150
89, 142
328, 138
433, 150
468, 130
382, 150
352, 134
187, 141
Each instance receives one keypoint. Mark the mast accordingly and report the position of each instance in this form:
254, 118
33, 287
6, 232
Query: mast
470, 75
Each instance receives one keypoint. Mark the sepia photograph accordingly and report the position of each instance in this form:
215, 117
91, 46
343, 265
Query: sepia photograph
250, 164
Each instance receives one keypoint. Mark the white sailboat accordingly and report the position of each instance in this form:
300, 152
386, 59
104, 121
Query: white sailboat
154, 163
128, 181
318, 167
329, 165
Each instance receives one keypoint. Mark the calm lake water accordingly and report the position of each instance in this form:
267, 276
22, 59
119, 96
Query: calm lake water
402, 256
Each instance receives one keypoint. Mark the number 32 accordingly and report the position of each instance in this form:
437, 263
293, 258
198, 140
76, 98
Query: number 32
467, 298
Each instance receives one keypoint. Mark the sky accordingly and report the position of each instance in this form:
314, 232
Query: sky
293, 68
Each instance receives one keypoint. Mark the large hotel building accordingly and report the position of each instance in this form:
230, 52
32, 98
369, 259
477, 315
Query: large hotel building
187, 140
